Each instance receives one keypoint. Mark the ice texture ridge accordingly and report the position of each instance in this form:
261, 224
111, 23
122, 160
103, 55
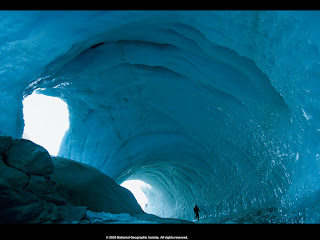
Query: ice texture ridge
218, 108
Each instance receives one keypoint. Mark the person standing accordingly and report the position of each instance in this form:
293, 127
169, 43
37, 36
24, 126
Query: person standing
196, 211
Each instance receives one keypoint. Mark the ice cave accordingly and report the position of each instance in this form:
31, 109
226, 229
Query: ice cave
215, 108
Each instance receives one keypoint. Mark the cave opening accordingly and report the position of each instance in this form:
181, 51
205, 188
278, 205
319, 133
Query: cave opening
138, 189
46, 120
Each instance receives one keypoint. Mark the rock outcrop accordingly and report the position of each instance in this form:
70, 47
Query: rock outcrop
29, 157
27, 193
38, 188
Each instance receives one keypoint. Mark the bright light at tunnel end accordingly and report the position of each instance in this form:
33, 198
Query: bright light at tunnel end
136, 187
46, 121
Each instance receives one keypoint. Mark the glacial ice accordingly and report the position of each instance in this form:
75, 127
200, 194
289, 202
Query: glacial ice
218, 108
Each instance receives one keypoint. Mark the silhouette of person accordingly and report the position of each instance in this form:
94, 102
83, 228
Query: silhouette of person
196, 211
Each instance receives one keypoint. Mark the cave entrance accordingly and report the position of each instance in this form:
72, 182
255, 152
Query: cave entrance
138, 189
46, 121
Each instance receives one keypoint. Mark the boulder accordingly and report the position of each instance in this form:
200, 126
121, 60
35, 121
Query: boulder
5, 143
52, 198
29, 157
38, 188
39, 185
26, 191
21, 206
84, 185
10, 197
12, 176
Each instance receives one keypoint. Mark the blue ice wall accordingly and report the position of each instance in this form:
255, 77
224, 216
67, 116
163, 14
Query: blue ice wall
218, 108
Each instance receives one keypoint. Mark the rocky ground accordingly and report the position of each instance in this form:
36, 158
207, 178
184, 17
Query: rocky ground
27, 193
38, 188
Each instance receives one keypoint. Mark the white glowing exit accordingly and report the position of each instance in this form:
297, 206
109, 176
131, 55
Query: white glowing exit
46, 121
136, 187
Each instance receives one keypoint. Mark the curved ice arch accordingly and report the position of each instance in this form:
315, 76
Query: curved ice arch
254, 70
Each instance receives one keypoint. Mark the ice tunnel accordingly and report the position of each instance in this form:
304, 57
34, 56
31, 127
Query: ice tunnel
214, 108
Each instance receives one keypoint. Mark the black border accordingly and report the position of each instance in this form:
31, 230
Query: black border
161, 5
193, 231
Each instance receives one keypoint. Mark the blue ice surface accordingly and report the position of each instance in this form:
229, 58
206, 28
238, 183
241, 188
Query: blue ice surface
218, 108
